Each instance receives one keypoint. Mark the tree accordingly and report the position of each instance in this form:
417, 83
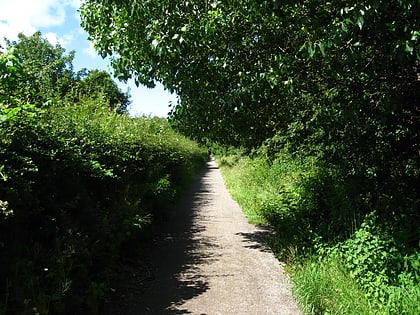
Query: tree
208, 57
47, 73
43, 72
253, 67
99, 84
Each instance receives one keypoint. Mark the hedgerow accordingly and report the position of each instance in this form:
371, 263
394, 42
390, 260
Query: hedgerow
77, 184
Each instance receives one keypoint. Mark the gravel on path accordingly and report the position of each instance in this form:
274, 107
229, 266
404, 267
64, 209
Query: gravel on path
209, 260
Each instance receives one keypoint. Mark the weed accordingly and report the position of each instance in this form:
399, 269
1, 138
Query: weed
344, 259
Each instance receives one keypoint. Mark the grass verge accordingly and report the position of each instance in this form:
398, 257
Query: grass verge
339, 263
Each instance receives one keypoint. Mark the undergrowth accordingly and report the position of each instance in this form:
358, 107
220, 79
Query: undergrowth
345, 254
79, 186
323, 287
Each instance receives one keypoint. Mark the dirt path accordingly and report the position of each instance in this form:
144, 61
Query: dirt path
209, 260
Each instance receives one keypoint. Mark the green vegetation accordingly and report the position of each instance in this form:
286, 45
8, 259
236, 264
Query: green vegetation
35, 72
324, 287
340, 261
323, 98
332, 76
80, 184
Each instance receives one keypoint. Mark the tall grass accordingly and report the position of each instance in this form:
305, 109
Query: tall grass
341, 261
324, 287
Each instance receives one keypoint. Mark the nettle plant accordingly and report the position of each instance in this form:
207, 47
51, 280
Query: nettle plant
375, 260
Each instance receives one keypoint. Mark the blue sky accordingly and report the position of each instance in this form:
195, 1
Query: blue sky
59, 22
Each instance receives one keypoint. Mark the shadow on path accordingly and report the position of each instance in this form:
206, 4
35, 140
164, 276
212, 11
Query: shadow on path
257, 239
207, 258
175, 256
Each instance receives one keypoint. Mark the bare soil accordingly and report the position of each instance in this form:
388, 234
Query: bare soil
209, 260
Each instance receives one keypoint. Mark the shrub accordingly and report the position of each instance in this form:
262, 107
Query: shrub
345, 257
78, 182
387, 271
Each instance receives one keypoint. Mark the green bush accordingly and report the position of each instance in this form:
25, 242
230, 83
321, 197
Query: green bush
77, 184
387, 271
346, 258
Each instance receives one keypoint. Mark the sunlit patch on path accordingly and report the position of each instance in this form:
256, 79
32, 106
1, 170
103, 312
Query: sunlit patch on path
209, 260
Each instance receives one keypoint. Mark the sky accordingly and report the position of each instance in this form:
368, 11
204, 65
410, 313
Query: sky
59, 22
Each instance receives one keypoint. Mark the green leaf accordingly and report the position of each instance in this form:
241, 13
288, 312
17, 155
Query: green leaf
311, 51
360, 22
155, 43
408, 47
322, 49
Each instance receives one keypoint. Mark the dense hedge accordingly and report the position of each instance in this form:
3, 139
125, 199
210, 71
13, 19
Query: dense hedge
77, 183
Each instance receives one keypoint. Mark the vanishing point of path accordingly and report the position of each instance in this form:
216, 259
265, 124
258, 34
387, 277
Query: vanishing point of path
209, 260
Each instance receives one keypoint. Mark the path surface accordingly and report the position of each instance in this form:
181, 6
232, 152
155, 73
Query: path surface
209, 260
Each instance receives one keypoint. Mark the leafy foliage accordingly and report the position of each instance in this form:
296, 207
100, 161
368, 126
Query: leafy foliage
78, 182
342, 260
98, 84
10, 71
34, 71
386, 270
245, 70
46, 71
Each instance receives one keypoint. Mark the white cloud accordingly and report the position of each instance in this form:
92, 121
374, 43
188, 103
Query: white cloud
66, 39
90, 50
27, 16
52, 38
55, 39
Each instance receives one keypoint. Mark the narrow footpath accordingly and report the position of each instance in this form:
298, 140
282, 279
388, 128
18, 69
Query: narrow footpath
209, 260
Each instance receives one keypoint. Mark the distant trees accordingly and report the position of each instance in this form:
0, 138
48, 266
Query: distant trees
47, 72
97, 83
44, 72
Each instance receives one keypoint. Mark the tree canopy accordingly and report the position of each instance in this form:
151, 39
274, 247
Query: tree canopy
246, 70
337, 80
47, 72
35, 71
98, 83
